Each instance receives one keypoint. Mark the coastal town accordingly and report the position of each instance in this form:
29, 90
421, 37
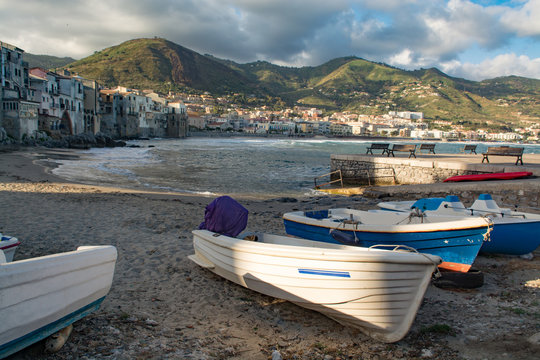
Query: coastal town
258, 180
38, 104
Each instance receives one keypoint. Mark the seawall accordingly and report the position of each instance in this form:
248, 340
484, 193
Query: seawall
362, 170
423, 177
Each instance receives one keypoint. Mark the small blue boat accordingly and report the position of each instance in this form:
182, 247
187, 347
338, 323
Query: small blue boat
456, 240
514, 232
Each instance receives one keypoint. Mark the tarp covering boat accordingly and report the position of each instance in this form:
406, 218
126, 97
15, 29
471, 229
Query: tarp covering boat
226, 216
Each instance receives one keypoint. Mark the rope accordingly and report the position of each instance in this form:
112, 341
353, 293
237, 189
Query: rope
487, 235
350, 222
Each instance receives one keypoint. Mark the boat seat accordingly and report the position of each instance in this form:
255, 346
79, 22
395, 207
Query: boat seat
317, 214
485, 204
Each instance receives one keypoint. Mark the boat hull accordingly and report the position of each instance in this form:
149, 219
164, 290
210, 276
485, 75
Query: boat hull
513, 238
43, 295
513, 233
9, 245
491, 176
458, 247
376, 291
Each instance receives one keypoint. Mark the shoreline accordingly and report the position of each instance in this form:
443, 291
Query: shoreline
162, 305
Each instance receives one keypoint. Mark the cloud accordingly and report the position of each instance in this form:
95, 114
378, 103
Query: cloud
501, 65
525, 20
405, 33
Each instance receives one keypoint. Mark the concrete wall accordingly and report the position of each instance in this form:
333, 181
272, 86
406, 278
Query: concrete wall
421, 178
372, 170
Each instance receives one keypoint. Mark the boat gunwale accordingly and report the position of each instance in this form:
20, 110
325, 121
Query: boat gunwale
341, 253
327, 223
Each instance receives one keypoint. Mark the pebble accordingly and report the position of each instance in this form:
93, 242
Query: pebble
276, 355
426, 353
534, 339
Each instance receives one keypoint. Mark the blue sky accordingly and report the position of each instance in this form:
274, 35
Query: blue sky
473, 39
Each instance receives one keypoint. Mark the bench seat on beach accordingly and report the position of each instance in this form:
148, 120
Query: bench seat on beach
378, 146
470, 148
504, 151
430, 148
411, 149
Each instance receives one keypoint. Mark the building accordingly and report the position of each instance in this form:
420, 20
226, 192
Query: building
61, 101
131, 113
92, 118
18, 112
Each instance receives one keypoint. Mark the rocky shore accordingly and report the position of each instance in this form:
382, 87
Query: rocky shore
162, 306
81, 141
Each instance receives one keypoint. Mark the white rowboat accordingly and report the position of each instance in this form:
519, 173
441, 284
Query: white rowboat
375, 290
42, 295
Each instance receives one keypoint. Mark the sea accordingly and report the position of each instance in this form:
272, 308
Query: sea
235, 166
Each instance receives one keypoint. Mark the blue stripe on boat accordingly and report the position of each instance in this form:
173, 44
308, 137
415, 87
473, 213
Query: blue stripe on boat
343, 274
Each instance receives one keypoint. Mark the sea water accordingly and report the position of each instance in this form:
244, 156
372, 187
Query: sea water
259, 167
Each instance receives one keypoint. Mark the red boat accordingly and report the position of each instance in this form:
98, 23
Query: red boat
492, 176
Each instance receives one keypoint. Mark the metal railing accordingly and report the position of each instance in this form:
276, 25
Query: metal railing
340, 180
373, 176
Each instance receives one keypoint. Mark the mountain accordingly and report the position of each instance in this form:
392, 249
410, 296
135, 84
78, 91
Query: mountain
47, 61
348, 83
161, 65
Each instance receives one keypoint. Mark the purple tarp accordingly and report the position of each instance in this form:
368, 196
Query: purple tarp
226, 216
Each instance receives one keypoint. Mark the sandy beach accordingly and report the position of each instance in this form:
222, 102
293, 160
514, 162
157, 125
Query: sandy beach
162, 305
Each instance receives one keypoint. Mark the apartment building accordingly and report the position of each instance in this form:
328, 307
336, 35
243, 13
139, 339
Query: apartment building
18, 112
61, 101
132, 113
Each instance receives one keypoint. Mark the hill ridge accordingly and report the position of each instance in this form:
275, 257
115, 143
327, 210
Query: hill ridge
346, 83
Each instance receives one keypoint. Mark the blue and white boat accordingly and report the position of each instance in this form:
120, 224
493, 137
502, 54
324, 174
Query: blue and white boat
8, 245
42, 295
514, 232
456, 240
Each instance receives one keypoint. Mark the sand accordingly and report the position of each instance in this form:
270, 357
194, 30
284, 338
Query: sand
161, 305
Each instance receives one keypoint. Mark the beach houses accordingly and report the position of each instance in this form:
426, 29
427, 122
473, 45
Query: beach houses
133, 113
37, 103
18, 112
61, 101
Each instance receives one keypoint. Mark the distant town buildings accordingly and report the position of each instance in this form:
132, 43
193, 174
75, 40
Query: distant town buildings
38, 101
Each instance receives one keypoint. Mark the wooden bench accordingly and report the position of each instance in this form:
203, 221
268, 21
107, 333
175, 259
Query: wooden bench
430, 148
377, 146
470, 148
411, 149
504, 151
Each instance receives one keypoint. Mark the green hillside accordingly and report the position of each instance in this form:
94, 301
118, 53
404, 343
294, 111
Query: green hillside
46, 61
158, 64
347, 83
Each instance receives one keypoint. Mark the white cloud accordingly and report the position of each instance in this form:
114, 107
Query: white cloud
408, 33
502, 65
404, 58
525, 21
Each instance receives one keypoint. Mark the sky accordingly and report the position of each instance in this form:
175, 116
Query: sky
472, 39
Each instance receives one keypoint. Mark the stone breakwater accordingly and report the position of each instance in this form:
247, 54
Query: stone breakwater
419, 178
368, 170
